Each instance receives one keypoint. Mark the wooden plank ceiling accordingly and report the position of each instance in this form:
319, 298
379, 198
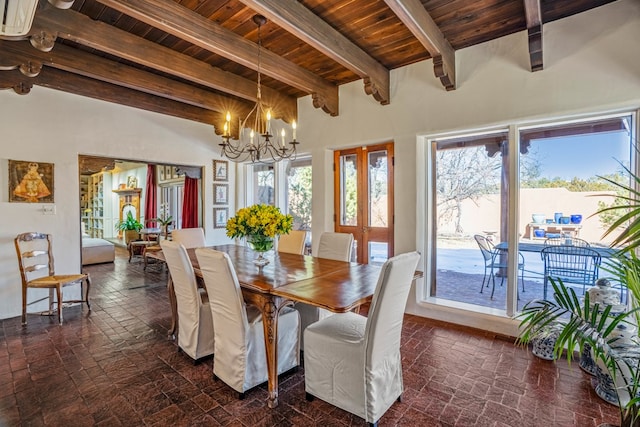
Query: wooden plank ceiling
197, 59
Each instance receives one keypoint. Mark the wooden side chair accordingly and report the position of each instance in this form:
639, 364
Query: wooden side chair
35, 258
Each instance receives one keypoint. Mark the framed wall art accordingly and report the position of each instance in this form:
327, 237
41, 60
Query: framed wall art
220, 170
220, 216
220, 194
30, 182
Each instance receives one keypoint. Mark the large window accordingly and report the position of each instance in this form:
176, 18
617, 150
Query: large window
494, 199
263, 184
469, 212
298, 182
171, 197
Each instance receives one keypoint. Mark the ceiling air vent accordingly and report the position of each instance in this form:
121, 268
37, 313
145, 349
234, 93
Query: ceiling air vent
16, 16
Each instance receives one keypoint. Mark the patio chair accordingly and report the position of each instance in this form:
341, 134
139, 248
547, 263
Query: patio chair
566, 241
571, 264
495, 259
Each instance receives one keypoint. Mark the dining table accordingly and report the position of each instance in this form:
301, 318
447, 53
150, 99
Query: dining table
337, 286
603, 251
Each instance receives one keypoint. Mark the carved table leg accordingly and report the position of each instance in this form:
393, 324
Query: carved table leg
270, 325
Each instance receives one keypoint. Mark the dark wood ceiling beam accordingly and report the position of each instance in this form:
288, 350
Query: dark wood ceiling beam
533, 15
190, 26
84, 86
295, 18
413, 14
74, 26
88, 65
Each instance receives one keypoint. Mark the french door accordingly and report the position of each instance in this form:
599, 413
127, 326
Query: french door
363, 194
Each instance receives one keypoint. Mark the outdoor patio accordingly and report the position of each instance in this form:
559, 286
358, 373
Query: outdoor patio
460, 270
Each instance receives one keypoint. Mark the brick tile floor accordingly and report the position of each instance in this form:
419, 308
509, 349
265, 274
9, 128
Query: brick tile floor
115, 367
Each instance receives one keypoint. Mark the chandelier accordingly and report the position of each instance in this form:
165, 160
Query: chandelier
259, 144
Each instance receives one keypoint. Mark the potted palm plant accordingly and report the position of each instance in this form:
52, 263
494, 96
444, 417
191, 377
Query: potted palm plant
164, 221
130, 227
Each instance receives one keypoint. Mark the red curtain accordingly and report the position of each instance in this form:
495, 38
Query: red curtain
151, 196
190, 203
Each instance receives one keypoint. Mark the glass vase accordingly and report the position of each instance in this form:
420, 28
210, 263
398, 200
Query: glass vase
260, 244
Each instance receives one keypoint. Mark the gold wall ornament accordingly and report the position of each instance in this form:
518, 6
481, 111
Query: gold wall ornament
30, 182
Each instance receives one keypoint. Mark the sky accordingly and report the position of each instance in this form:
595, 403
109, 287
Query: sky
582, 156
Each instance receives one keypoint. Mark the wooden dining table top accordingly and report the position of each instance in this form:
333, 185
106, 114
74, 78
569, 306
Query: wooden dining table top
337, 286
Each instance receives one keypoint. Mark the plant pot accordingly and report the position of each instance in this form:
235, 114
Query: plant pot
131, 235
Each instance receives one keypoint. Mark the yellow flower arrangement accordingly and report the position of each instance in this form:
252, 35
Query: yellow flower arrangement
259, 224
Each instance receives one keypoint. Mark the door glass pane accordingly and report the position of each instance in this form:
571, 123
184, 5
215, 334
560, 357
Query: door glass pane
470, 201
378, 252
378, 189
562, 187
348, 190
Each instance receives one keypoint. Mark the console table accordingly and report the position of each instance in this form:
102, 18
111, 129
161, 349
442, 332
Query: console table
553, 227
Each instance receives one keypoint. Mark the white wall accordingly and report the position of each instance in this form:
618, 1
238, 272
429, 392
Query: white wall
592, 64
52, 126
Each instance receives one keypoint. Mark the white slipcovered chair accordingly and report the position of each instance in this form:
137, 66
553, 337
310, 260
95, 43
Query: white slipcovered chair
189, 237
353, 362
195, 324
292, 243
240, 357
335, 246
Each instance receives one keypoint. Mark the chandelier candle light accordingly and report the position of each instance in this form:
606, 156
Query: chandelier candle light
260, 147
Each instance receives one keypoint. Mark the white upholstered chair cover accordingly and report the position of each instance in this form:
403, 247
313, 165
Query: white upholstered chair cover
195, 324
240, 358
335, 246
353, 362
189, 237
292, 243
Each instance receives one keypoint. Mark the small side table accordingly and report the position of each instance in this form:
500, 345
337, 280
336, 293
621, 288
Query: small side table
137, 247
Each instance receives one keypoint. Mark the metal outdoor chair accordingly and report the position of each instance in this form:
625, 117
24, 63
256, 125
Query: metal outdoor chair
495, 259
571, 264
566, 241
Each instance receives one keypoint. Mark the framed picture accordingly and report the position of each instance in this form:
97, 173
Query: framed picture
220, 216
30, 182
220, 194
220, 170
168, 172
132, 182
161, 176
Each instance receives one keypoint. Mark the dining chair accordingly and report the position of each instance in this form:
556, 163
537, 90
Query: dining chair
292, 243
571, 264
337, 246
239, 358
195, 324
37, 271
567, 241
495, 259
189, 237
354, 362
